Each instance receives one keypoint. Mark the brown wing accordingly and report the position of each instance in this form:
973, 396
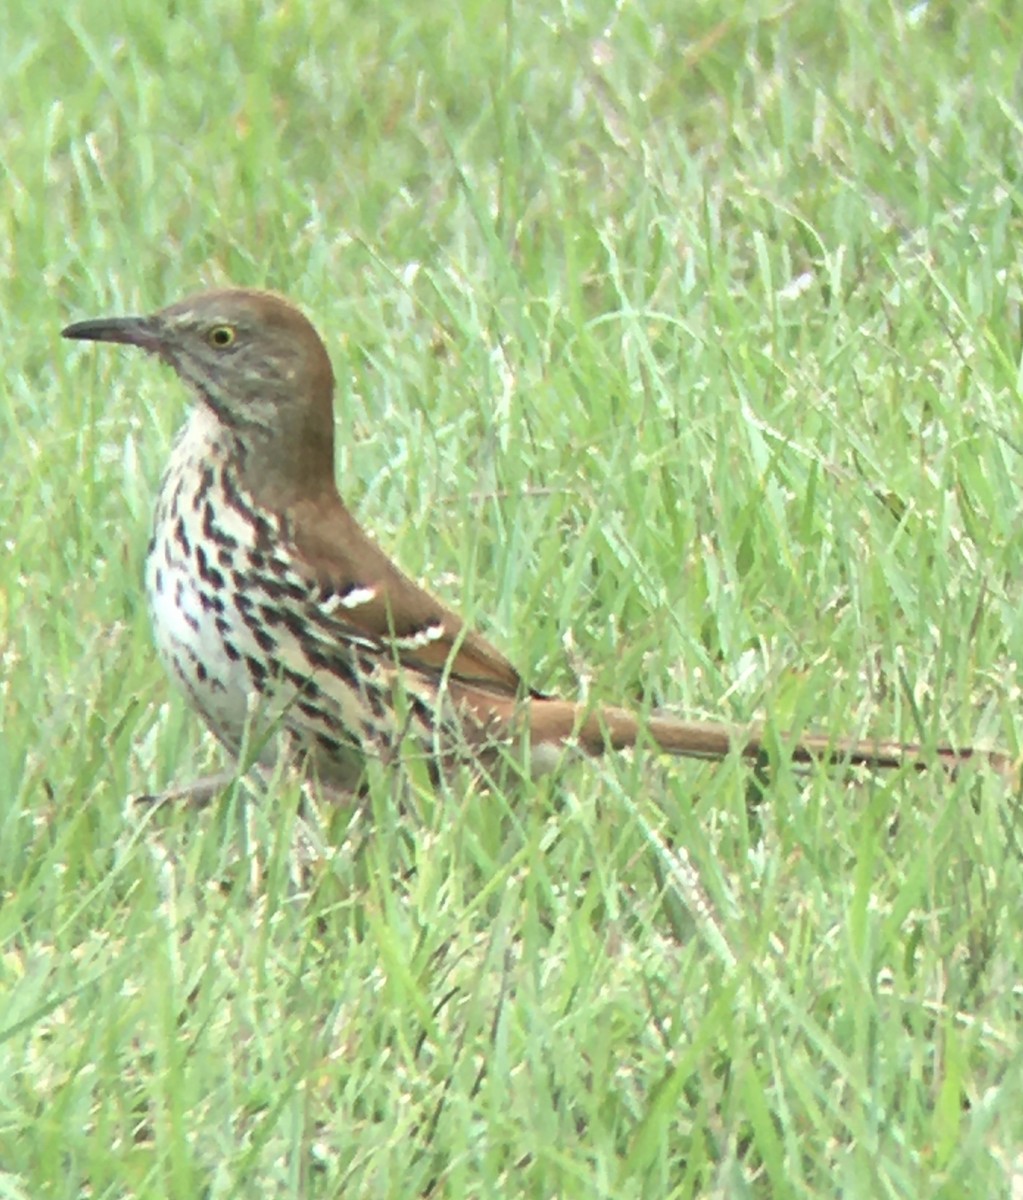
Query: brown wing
374, 598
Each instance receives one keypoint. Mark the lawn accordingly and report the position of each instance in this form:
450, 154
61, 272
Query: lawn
678, 345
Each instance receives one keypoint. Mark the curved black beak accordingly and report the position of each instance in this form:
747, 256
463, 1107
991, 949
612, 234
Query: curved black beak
129, 331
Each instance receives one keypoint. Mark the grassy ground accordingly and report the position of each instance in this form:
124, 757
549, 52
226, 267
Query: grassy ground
679, 345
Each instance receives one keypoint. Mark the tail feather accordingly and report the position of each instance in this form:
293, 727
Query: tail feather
555, 722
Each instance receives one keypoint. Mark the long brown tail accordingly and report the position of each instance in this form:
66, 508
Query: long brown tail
554, 722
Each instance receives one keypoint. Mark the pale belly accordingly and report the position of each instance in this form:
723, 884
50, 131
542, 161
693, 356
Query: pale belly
259, 687
193, 649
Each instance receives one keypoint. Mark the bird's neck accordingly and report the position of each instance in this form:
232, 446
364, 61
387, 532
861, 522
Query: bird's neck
274, 480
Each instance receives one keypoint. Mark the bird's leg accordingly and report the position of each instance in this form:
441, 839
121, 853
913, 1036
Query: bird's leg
198, 793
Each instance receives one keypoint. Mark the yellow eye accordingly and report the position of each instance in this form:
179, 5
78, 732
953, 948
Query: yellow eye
221, 336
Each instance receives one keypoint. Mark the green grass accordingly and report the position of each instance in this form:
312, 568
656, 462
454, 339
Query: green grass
679, 345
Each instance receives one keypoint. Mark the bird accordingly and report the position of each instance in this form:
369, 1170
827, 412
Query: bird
292, 633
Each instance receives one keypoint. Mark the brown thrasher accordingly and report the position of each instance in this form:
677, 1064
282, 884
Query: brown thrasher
282, 619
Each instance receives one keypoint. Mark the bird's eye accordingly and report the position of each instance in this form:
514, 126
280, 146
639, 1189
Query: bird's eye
221, 336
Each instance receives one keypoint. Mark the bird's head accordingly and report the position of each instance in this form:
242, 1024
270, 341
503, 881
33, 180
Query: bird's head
251, 357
